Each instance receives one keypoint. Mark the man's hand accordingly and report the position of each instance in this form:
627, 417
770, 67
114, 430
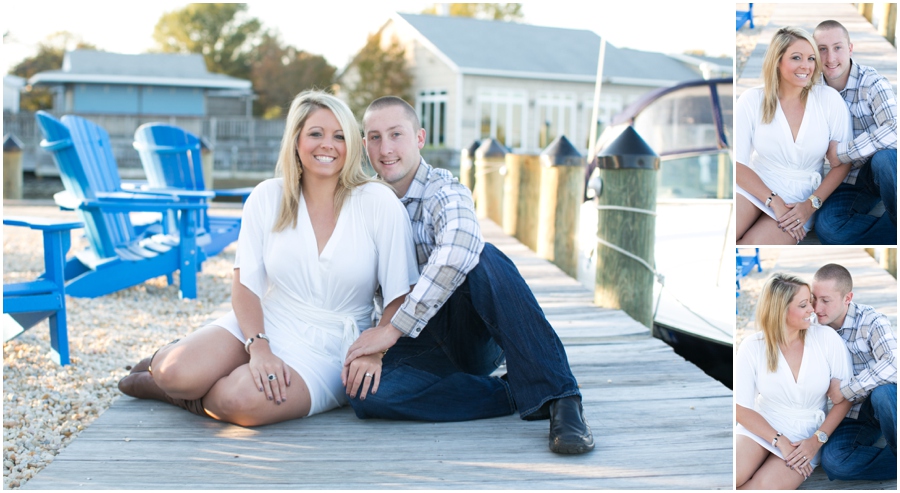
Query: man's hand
834, 391
831, 154
374, 340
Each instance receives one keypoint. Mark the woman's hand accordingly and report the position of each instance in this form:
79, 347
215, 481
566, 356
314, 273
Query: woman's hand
778, 206
264, 364
365, 372
834, 392
795, 218
788, 449
804, 452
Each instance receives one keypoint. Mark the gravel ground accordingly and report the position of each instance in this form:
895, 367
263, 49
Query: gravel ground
750, 289
746, 37
46, 406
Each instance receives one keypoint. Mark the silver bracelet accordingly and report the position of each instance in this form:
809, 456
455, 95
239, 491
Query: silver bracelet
775, 440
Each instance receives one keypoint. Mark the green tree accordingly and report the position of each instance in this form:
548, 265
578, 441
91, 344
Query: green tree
377, 72
48, 57
492, 11
220, 32
281, 72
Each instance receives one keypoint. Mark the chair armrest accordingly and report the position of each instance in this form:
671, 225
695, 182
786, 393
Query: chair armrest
234, 192
177, 193
43, 223
129, 202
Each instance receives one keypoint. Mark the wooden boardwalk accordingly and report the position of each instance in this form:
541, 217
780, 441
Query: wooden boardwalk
873, 286
658, 421
869, 47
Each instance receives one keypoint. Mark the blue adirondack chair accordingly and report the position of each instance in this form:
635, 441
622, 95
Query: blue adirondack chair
171, 158
744, 264
28, 303
741, 17
116, 257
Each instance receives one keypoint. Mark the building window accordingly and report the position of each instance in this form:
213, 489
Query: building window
502, 116
556, 115
433, 116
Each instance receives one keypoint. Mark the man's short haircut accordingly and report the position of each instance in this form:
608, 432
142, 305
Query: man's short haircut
838, 274
830, 24
387, 101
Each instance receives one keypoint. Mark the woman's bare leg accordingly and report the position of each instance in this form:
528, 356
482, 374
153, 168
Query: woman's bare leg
746, 215
189, 368
236, 399
765, 231
774, 475
749, 456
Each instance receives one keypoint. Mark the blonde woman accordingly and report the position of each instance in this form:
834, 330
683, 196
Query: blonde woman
782, 132
783, 373
315, 244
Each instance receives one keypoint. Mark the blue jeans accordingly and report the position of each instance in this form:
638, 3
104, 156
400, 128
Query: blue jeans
843, 218
849, 455
444, 373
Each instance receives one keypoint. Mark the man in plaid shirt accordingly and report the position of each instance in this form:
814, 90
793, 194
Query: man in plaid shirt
469, 309
843, 219
849, 454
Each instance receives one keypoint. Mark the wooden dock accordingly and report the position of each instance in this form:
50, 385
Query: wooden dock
869, 47
658, 421
873, 286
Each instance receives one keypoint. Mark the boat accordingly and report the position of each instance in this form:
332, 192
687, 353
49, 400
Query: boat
689, 126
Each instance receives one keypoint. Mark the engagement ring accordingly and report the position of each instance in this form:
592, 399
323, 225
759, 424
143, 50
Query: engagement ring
272, 377
368, 375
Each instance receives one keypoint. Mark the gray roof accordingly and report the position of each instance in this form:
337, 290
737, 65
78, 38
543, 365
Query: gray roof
161, 69
521, 50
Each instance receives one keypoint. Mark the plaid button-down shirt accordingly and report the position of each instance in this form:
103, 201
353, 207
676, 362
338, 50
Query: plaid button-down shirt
873, 106
873, 347
448, 243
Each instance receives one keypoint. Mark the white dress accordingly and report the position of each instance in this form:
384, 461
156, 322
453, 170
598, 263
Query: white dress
795, 409
792, 169
314, 306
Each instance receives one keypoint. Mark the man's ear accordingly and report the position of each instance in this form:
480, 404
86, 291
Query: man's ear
848, 298
420, 138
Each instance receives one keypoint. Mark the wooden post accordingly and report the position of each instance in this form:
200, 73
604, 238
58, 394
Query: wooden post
489, 161
726, 172
888, 27
865, 10
467, 167
208, 158
626, 219
521, 197
562, 190
12, 167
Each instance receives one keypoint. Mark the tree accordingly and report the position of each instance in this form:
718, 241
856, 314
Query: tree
492, 11
281, 72
49, 57
378, 72
218, 31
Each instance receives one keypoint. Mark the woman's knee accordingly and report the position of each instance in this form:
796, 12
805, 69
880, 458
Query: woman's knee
884, 163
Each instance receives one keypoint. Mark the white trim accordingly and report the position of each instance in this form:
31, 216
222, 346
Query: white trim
592, 79
65, 78
460, 109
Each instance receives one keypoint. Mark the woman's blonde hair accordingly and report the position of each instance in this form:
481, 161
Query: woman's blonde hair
290, 167
771, 313
771, 79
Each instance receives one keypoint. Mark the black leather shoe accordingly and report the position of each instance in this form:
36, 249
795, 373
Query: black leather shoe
569, 432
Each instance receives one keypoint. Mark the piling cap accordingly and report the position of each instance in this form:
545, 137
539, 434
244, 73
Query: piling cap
561, 152
491, 148
205, 145
11, 143
628, 150
474, 147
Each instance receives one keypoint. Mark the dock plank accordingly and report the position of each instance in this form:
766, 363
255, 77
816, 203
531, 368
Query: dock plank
659, 423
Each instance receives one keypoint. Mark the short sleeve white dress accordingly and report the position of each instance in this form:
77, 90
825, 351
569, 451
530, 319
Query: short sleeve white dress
792, 169
315, 305
795, 409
